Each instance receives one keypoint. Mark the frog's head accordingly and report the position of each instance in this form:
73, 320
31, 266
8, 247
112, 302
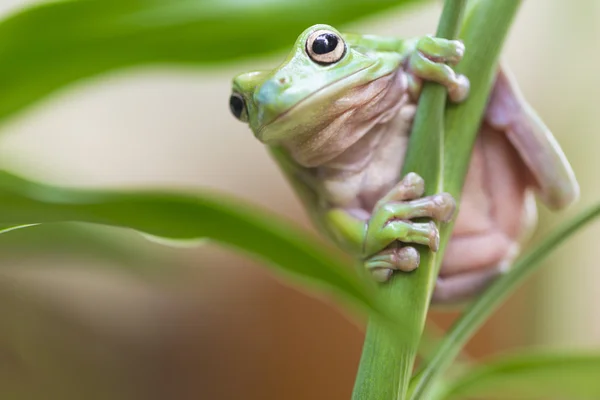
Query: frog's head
309, 99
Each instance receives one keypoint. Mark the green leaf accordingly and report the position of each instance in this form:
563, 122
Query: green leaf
478, 311
45, 47
186, 217
124, 251
531, 376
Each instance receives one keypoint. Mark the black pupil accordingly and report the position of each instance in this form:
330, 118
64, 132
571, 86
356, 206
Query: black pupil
325, 43
236, 105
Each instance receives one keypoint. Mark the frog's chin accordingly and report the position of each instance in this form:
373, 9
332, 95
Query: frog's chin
329, 128
315, 110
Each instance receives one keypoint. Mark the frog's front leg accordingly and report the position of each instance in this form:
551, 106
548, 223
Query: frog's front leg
383, 237
390, 227
428, 62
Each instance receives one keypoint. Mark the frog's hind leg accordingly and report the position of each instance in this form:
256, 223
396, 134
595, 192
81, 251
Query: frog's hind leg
508, 112
497, 213
457, 289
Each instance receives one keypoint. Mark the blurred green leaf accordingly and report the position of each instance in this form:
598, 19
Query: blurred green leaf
45, 47
186, 217
127, 252
483, 306
531, 376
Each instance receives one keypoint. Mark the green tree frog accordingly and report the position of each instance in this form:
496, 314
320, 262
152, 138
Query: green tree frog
336, 116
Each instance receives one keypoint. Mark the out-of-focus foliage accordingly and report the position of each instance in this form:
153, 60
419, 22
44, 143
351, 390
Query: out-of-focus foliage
482, 307
48, 46
84, 241
531, 376
186, 217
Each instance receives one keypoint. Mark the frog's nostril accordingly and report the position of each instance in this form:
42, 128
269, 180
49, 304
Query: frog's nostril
271, 90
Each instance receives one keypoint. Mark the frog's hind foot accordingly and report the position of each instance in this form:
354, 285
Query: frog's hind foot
430, 62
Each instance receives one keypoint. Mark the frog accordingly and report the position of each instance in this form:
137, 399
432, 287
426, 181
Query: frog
336, 116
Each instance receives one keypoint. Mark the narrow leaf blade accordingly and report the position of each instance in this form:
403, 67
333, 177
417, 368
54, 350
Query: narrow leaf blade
186, 217
478, 311
532, 376
48, 46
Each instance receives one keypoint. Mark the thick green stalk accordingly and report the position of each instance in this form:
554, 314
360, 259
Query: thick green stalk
483, 33
386, 367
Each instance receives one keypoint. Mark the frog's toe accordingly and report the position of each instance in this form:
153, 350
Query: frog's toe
440, 207
381, 274
434, 237
458, 52
393, 258
443, 207
411, 187
459, 89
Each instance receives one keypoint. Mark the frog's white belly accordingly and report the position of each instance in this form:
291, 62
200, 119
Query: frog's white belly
361, 175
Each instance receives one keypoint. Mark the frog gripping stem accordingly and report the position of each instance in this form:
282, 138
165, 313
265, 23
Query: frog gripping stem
430, 61
390, 228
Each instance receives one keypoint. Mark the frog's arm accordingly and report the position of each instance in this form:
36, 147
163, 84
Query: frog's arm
381, 43
451, 51
425, 58
508, 111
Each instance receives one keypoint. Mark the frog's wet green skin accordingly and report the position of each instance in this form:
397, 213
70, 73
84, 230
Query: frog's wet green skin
336, 115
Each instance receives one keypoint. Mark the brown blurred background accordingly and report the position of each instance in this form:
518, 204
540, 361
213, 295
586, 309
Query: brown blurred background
205, 323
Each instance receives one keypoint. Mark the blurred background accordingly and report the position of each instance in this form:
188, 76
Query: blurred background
144, 321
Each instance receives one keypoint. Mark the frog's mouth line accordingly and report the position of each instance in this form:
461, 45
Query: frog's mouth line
315, 94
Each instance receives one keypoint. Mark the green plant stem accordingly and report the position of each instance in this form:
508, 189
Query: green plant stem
386, 366
483, 33
480, 310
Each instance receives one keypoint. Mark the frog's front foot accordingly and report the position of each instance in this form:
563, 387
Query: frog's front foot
390, 227
428, 62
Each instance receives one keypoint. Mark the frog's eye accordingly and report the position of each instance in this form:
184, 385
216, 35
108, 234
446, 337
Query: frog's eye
237, 105
325, 47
